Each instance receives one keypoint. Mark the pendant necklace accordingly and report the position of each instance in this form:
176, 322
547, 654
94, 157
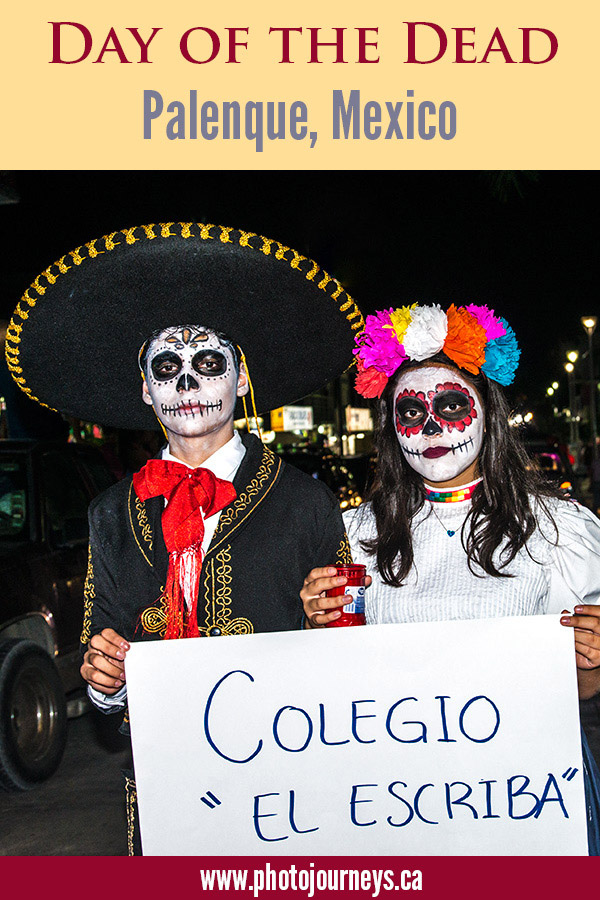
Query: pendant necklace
449, 531
457, 495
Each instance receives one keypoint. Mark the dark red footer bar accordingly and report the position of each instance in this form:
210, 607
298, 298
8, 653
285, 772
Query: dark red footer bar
170, 878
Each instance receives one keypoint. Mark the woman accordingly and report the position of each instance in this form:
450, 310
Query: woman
459, 525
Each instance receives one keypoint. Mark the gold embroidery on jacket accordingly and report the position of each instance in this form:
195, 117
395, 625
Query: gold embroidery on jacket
245, 498
247, 502
154, 618
208, 568
131, 803
217, 597
142, 523
344, 554
89, 595
223, 593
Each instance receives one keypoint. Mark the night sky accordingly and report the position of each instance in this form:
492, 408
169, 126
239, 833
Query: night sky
525, 243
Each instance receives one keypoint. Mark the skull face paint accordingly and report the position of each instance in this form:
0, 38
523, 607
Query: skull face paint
191, 381
439, 422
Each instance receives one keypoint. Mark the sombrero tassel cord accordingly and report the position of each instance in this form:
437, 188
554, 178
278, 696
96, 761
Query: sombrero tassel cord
254, 412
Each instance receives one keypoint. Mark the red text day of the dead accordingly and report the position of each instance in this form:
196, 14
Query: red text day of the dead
424, 43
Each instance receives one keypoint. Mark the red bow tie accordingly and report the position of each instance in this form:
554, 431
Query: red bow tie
191, 494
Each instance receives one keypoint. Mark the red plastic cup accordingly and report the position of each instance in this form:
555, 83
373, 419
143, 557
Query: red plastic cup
353, 613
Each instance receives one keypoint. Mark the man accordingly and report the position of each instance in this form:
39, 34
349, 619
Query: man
216, 537
255, 555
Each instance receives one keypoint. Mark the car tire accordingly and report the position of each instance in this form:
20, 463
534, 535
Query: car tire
33, 716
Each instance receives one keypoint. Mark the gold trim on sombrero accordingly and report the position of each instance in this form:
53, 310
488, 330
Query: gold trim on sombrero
205, 232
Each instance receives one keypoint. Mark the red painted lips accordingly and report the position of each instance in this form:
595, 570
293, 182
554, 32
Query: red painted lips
435, 452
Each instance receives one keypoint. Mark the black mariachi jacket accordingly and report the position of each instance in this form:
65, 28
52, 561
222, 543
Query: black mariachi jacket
281, 525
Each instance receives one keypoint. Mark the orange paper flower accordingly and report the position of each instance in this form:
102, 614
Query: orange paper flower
466, 340
369, 382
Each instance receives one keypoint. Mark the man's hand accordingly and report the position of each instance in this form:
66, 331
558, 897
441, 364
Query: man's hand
586, 625
319, 609
103, 662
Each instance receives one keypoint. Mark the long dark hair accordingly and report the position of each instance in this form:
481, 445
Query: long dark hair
505, 505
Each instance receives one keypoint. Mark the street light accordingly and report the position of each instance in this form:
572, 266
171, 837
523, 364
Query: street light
589, 323
572, 356
573, 423
555, 385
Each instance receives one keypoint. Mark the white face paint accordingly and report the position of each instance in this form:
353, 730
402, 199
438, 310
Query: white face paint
439, 422
190, 380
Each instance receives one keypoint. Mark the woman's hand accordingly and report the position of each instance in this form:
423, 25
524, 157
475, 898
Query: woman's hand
586, 624
319, 609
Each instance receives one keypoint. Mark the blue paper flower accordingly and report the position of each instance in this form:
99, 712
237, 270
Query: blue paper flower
502, 357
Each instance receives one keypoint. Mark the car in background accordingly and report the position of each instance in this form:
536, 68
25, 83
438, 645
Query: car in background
551, 458
45, 490
334, 471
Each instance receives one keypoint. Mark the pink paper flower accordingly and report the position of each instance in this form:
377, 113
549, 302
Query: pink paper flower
378, 346
489, 321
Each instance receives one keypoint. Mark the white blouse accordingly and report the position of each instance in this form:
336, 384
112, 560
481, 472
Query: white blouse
551, 574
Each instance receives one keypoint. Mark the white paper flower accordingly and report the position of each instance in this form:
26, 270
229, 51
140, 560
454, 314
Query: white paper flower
426, 333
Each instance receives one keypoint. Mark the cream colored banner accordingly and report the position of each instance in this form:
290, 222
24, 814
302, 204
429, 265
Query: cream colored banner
242, 85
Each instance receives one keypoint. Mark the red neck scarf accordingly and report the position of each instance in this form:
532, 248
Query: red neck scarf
192, 495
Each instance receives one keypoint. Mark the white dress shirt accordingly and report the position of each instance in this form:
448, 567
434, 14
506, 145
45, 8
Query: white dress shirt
224, 463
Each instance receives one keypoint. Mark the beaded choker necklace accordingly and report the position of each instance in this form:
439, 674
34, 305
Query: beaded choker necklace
455, 495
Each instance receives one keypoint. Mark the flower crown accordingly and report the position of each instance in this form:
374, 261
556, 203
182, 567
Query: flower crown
473, 337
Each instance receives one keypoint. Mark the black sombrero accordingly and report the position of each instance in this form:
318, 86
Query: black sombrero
74, 337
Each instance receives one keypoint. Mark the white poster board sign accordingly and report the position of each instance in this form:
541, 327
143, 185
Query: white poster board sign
426, 739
